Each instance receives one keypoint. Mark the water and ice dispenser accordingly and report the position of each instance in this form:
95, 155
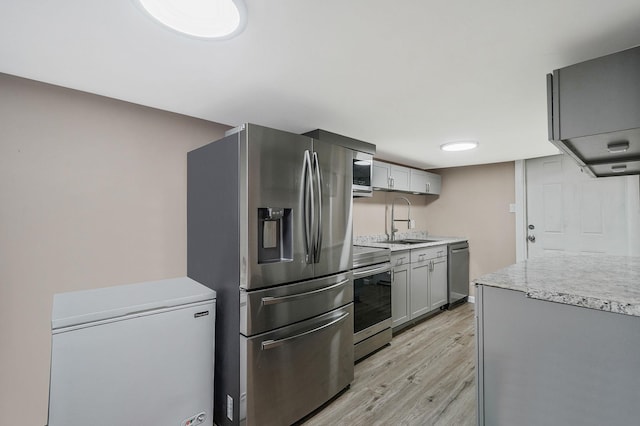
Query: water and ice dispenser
275, 235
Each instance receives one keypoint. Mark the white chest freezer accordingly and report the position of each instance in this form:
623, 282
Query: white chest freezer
139, 354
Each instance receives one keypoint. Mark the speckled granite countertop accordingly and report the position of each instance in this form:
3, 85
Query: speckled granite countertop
381, 240
606, 283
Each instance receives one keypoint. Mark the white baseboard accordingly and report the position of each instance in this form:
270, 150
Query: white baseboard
471, 299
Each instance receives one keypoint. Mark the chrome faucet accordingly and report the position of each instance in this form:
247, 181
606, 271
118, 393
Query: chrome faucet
394, 220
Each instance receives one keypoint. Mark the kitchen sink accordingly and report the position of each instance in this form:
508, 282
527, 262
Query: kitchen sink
410, 241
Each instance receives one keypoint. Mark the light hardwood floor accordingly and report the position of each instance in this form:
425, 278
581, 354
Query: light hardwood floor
426, 377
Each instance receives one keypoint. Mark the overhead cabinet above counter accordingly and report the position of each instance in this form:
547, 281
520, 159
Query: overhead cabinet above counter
392, 177
594, 113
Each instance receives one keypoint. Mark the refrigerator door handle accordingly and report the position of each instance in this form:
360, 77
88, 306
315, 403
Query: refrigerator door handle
318, 238
308, 213
270, 344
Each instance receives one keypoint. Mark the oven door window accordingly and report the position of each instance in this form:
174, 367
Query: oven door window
371, 300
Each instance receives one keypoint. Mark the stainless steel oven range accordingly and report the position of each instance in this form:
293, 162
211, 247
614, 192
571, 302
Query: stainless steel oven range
371, 299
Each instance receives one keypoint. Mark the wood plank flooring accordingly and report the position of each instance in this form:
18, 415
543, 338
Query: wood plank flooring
426, 377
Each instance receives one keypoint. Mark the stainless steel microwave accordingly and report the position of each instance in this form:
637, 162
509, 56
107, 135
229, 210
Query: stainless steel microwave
362, 159
362, 174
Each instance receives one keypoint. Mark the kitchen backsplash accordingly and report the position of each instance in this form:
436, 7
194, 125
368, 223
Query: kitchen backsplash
366, 239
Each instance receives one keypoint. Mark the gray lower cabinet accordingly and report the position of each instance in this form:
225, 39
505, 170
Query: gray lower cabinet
400, 288
547, 363
438, 283
420, 288
419, 283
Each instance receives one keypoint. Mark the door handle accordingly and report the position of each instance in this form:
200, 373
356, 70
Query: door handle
364, 273
308, 206
531, 238
318, 239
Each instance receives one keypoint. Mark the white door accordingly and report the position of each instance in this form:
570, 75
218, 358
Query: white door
568, 210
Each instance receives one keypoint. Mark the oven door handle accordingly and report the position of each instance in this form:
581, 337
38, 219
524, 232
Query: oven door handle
364, 272
270, 344
270, 300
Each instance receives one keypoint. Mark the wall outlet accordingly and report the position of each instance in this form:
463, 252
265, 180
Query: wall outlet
412, 223
512, 208
229, 407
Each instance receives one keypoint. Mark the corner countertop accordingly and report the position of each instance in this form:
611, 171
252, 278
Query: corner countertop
595, 281
381, 241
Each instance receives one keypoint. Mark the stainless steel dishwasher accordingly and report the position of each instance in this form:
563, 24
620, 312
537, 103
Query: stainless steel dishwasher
458, 273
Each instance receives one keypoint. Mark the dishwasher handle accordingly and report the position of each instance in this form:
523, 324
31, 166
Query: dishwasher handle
459, 250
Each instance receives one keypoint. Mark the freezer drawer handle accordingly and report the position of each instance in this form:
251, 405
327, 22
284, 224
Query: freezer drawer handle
270, 344
269, 300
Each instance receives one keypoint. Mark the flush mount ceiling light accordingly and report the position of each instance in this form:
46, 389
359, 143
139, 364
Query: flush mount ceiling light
459, 145
213, 19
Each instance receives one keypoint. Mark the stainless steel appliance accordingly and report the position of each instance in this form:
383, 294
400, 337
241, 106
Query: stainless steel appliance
372, 299
458, 273
269, 228
362, 174
362, 159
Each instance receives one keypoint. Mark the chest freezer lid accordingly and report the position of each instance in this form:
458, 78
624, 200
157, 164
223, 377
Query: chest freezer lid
86, 306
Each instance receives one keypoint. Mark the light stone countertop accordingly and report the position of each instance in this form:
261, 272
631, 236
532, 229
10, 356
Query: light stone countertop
603, 282
381, 241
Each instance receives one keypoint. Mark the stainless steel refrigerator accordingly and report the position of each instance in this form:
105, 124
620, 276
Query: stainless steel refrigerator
269, 228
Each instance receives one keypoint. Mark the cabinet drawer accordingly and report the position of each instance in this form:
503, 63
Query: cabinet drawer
422, 254
400, 258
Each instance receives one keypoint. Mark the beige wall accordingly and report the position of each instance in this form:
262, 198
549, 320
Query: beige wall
92, 194
369, 213
474, 203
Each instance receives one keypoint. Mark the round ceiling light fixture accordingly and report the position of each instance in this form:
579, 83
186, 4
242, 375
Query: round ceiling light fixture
211, 19
464, 145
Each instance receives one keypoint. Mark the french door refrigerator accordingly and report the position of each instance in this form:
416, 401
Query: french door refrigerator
269, 228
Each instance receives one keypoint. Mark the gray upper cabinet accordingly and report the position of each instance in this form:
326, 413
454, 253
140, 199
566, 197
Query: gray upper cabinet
392, 177
424, 182
594, 113
381, 175
399, 178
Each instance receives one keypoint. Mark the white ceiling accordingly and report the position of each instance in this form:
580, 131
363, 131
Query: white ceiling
406, 75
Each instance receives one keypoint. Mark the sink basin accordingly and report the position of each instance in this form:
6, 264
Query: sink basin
413, 241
